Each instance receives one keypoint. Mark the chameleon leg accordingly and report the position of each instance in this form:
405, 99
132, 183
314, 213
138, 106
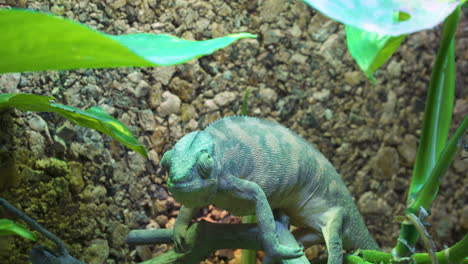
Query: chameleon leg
181, 225
251, 191
332, 233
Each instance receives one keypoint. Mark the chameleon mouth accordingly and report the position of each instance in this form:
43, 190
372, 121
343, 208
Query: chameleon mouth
181, 185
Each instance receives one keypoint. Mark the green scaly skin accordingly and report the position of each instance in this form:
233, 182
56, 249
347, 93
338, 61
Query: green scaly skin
253, 166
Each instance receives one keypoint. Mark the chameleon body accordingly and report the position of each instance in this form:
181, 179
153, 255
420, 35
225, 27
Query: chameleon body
253, 166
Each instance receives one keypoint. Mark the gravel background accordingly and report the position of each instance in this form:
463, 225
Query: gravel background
91, 191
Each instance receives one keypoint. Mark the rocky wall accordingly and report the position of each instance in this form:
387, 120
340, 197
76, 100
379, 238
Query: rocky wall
91, 190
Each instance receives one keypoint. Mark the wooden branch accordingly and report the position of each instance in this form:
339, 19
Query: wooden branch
205, 237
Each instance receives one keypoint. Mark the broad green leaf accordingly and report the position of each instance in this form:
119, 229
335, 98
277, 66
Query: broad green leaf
377, 16
34, 41
8, 228
371, 50
93, 117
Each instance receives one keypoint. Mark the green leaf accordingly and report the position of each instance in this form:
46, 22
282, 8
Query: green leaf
377, 16
438, 109
8, 228
93, 117
429, 190
371, 50
34, 41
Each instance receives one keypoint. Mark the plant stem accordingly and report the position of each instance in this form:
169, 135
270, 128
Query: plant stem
438, 108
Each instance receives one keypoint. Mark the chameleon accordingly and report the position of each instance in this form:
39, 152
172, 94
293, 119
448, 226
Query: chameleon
252, 166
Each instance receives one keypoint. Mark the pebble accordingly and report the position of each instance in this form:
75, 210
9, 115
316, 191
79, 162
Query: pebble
353, 78
75, 177
224, 98
210, 105
147, 121
9, 82
370, 203
117, 234
37, 123
408, 148
385, 164
183, 89
163, 74
97, 252
328, 114
394, 68
142, 89
170, 105
388, 108
322, 95
268, 96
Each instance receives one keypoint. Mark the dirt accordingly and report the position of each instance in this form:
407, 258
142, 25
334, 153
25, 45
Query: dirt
90, 190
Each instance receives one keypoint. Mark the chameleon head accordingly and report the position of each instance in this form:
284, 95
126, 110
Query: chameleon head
192, 169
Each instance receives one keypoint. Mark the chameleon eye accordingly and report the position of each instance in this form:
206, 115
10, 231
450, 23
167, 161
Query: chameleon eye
205, 164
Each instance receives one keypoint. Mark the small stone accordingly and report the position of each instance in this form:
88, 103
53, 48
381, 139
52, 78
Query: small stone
328, 114
75, 177
183, 89
271, 9
37, 142
97, 252
272, 36
67, 131
147, 121
144, 252
187, 112
162, 220
224, 98
268, 96
170, 223
9, 82
210, 105
394, 68
37, 123
136, 163
298, 58
118, 232
370, 203
154, 157
59, 145
116, 4
408, 148
142, 89
322, 95
388, 108
386, 163
170, 105
163, 74
353, 78
160, 206
192, 125
135, 76
312, 252
58, 10
93, 193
